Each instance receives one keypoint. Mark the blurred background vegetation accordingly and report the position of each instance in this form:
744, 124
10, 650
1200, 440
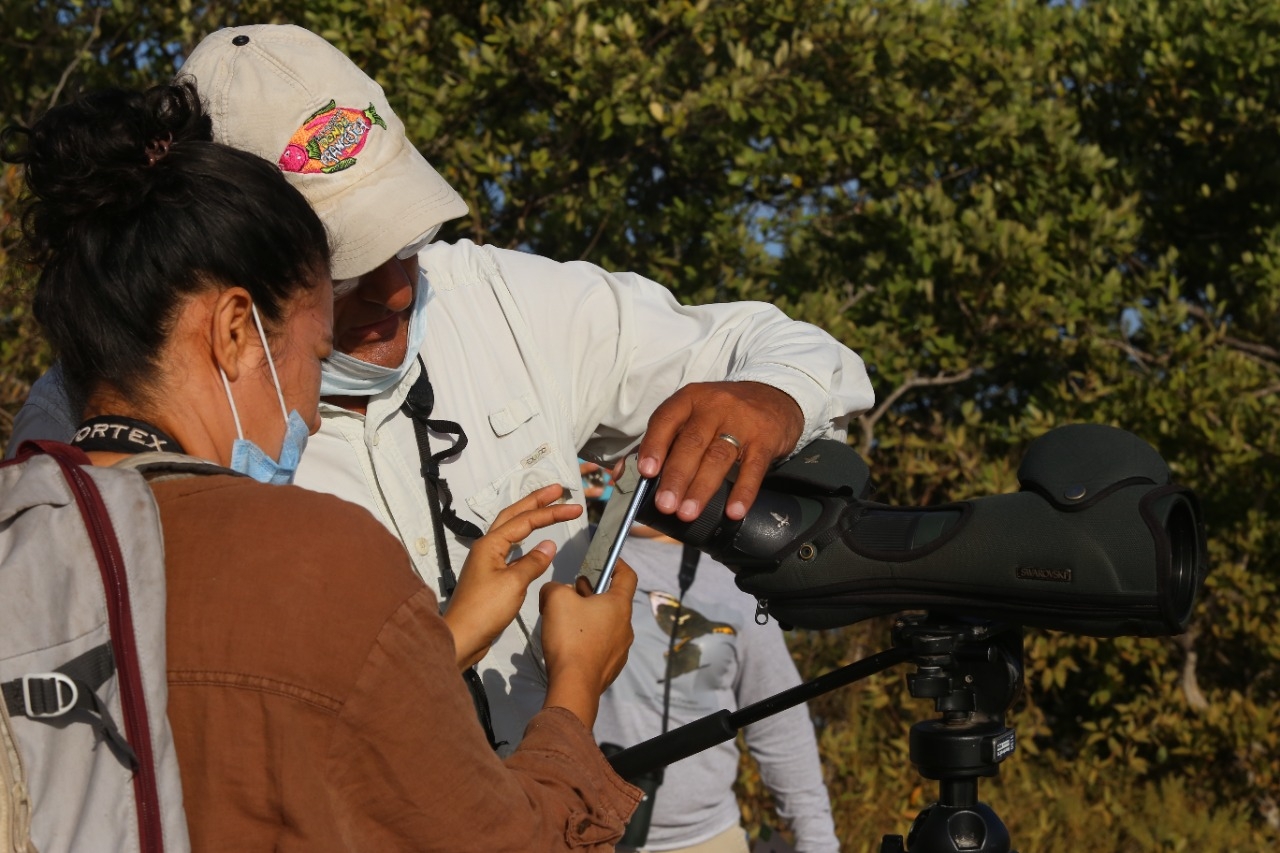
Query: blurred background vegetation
1022, 214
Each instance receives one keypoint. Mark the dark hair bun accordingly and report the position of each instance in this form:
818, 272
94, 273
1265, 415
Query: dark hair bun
131, 207
100, 156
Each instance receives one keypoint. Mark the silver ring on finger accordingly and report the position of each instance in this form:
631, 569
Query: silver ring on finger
724, 436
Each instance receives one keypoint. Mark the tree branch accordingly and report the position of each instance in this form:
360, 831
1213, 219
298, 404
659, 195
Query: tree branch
71, 66
1190, 685
852, 297
595, 236
868, 421
1262, 351
1267, 392
1141, 358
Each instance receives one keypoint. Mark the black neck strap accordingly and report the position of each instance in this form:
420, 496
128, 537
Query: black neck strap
688, 570
120, 434
418, 406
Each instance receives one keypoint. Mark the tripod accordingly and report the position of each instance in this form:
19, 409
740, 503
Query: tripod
973, 673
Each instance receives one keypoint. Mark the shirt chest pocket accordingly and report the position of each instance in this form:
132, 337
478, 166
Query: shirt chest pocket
527, 456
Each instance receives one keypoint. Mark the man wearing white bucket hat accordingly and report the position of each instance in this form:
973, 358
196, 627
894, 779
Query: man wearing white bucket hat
532, 363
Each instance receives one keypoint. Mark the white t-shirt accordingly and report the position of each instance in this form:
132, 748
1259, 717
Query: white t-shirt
722, 660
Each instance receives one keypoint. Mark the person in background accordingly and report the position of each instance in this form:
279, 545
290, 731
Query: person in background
454, 390
698, 650
314, 690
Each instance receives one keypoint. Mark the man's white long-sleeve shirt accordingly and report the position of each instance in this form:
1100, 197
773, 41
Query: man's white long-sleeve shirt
540, 362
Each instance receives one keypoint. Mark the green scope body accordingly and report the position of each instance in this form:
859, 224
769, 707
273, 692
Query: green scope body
1097, 542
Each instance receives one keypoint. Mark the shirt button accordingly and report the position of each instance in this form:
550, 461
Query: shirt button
421, 545
377, 438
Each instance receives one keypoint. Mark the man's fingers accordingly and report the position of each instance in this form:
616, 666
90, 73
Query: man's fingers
694, 451
698, 435
665, 424
716, 463
751, 471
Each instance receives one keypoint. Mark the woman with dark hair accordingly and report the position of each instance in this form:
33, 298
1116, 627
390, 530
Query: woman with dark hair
314, 690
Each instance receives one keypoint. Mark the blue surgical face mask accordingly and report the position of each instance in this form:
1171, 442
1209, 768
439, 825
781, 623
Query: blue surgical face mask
346, 376
247, 457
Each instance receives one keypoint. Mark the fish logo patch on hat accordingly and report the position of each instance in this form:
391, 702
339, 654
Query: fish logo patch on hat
330, 139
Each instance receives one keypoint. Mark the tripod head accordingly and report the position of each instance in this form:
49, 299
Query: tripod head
973, 673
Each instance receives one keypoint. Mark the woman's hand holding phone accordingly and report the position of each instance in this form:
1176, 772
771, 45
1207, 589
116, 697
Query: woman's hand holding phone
585, 638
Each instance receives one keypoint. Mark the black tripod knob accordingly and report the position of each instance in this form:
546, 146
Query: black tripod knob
959, 748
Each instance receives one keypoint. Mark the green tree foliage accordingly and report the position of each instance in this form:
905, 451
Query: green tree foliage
1022, 214
49, 50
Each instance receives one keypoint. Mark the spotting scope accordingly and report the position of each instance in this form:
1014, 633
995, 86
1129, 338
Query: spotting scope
1098, 541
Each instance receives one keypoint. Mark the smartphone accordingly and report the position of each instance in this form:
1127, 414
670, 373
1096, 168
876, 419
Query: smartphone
620, 536
629, 492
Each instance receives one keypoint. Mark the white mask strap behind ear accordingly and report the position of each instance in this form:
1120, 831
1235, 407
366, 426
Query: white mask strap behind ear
274, 378
232, 401
270, 362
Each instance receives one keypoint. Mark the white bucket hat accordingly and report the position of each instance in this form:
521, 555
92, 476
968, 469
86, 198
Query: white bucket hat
289, 96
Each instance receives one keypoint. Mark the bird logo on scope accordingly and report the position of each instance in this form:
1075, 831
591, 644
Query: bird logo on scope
686, 656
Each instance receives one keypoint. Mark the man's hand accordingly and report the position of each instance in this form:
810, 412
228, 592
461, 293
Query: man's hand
688, 441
